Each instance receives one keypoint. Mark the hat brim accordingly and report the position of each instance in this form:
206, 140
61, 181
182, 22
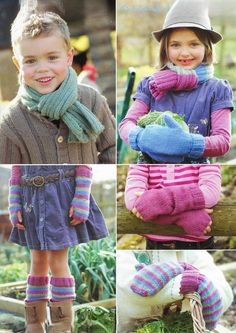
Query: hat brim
215, 36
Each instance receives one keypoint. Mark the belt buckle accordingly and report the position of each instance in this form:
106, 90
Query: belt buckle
38, 181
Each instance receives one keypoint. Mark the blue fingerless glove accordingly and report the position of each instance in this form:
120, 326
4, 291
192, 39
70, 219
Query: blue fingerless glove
170, 141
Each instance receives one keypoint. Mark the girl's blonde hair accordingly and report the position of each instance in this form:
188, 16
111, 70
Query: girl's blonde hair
202, 35
32, 25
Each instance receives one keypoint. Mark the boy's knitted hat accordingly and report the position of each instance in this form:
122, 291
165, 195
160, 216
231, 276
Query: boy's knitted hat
186, 13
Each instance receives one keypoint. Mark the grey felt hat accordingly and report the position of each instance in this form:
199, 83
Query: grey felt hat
188, 13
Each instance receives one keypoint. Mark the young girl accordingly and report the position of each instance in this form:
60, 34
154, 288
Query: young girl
186, 86
51, 209
147, 282
175, 193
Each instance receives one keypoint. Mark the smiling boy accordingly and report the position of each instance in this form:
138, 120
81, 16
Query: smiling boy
52, 120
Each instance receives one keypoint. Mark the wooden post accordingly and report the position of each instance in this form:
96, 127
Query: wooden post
223, 217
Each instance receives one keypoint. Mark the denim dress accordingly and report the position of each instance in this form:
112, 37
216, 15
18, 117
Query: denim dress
46, 213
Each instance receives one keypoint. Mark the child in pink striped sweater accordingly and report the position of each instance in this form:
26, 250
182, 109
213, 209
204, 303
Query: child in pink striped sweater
174, 193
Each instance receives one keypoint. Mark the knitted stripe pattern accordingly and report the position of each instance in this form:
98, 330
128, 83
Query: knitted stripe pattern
177, 78
37, 288
15, 204
14, 198
15, 175
212, 306
152, 278
81, 200
62, 103
62, 289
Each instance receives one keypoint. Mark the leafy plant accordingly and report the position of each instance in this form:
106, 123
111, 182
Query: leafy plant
93, 267
171, 323
95, 320
157, 117
14, 272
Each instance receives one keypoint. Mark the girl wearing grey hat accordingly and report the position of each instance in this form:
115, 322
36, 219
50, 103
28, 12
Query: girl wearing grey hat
186, 86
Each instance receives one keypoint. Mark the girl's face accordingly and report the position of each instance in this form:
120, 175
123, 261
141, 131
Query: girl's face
43, 62
185, 49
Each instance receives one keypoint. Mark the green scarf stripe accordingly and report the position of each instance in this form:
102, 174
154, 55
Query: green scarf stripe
62, 103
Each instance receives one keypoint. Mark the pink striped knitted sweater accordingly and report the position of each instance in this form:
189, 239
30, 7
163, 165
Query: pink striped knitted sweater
146, 177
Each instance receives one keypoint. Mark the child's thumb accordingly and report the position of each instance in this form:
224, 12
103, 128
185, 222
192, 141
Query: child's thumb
170, 122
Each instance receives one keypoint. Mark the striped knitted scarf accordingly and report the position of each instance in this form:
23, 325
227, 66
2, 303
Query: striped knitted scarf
177, 78
62, 104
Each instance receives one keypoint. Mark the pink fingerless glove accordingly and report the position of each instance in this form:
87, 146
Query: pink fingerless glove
169, 201
81, 200
194, 222
15, 192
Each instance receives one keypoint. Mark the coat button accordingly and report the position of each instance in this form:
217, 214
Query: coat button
60, 139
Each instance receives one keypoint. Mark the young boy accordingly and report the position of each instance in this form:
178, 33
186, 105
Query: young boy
52, 120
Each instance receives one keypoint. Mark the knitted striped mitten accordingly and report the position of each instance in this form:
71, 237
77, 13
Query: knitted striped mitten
150, 279
81, 200
212, 307
15, 191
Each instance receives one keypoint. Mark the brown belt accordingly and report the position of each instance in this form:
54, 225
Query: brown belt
39, 181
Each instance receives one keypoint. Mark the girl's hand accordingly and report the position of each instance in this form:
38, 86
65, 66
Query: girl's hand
74, 221
134, 210
208, 229
20, 224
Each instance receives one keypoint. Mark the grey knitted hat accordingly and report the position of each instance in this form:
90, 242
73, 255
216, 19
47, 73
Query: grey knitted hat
188, 13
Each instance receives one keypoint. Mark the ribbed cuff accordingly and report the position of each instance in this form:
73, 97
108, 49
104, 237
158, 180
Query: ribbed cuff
62, 281
190, 282
83, 170
198, 145
133, 134
37, 280
198, 197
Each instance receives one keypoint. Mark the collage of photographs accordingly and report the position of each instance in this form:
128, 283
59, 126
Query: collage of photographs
117, 166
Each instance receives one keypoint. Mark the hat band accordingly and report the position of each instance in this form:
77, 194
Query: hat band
187, 24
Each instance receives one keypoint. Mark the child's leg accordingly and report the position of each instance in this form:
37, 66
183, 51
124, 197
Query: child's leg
37, 284
62, 283
37, 292
63, 292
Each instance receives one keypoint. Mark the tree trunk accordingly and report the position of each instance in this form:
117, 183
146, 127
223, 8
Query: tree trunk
98, 26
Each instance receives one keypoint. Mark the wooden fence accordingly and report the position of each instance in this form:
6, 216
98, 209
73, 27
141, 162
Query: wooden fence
223, 218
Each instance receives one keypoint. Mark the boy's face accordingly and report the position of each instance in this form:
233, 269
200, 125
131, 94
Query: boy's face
43, 62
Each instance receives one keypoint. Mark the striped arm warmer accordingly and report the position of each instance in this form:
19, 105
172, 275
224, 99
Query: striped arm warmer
212, 307
81, 200
150, 279
14, 198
